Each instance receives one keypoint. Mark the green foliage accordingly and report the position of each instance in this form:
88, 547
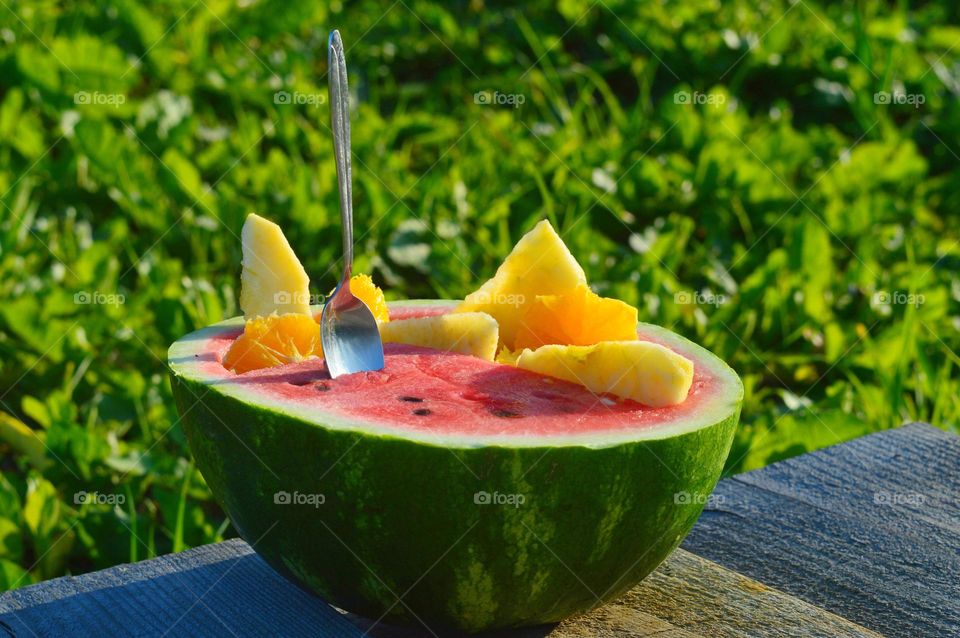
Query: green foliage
733, 170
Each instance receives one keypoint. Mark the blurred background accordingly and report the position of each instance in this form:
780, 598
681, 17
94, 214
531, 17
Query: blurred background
779, 181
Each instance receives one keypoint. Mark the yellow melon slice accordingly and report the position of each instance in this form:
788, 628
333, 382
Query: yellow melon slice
472, 333
274, 340
272, 279
577, 318
645, 372
369, 293
540, 264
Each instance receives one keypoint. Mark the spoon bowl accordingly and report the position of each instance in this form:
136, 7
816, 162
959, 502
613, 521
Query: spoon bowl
348, 330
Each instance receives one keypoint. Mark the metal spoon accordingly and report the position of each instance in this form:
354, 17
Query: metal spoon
348, 330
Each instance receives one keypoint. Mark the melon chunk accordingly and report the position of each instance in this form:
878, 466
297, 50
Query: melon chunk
540, 264
645, 372
580, 317
507, 357
272, 279
274, 340
472, 333
363, 288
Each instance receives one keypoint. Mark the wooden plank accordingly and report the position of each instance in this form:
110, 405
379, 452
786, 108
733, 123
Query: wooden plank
867, 530
216, 590
686, 597
225, 589
696, 595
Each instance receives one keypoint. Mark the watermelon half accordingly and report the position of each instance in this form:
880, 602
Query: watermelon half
449, 491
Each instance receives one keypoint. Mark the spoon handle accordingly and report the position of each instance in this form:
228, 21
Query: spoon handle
340, 124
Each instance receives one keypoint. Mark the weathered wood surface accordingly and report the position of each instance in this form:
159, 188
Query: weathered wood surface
226, 589
704, 599
215, 590
869, 530
866, 530
686, 597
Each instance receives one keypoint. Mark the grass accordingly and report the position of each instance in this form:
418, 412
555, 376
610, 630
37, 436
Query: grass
735, 172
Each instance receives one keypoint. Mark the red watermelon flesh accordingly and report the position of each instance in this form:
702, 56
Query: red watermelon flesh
433, 392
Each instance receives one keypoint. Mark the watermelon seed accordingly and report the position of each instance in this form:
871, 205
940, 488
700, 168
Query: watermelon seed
421, 411
411, 399
506, 414
322, 387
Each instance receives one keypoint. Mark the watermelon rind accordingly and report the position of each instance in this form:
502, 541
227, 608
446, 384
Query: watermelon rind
455, 533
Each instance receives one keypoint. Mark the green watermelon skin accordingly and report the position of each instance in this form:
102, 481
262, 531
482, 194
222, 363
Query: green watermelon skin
400, 537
